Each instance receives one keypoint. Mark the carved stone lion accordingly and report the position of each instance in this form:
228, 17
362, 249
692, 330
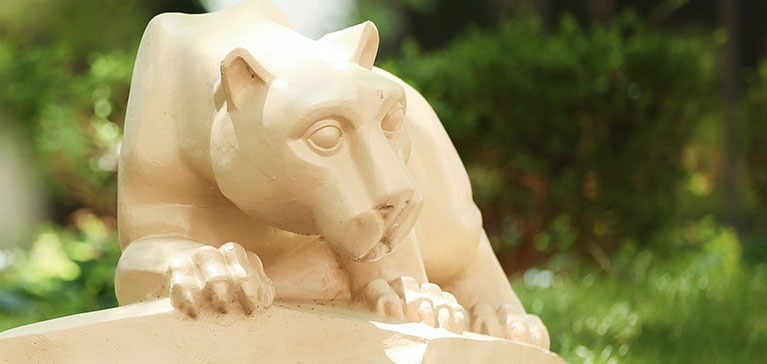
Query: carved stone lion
258, 164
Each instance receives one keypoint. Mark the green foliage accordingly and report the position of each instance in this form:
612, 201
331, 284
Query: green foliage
72, 118
70, 106
703, 306
573, 138
65, 68
753, 117
66, 270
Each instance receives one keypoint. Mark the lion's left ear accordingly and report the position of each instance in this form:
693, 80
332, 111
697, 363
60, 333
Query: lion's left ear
359, 42
242, 77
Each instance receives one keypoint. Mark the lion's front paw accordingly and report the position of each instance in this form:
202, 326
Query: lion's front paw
510, 324
404, 298
218, 280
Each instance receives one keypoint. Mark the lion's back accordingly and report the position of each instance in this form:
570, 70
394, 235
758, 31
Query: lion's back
172, 102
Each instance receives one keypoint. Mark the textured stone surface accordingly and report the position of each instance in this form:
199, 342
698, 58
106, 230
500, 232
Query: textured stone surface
152, 332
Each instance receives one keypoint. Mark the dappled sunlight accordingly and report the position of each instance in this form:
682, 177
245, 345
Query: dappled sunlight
617, 155
660, 310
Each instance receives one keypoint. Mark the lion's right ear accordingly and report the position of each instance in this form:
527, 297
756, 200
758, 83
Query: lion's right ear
242, 77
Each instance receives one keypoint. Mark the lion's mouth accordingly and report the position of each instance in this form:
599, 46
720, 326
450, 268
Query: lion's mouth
394, 221
397, 223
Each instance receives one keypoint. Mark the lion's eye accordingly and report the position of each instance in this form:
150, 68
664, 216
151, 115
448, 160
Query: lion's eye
326, 137
392, 123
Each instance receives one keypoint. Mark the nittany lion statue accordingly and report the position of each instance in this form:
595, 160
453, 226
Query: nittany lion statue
259, 164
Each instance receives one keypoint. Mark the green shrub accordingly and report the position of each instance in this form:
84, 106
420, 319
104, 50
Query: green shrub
702, 306
753, 117
573, 138
72, 119
65, 68
66, 270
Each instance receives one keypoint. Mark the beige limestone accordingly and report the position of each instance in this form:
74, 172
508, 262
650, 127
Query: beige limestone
260, 164
151, 332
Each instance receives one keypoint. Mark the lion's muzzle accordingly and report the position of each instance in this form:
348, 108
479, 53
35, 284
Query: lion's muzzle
376, 232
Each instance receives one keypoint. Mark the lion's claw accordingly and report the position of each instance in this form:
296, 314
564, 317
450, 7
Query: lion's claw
508, 323
218, 279
404, 298
382, 299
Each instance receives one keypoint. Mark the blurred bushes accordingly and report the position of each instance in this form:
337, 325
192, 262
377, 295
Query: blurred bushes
71, 117
66, 270
753, 131
701, 306
573, 138
65, 68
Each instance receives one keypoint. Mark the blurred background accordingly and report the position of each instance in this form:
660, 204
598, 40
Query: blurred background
617, 150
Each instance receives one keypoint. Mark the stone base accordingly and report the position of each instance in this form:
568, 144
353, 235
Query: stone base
152, 332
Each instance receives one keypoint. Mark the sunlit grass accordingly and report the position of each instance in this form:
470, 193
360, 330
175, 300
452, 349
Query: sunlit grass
698, 308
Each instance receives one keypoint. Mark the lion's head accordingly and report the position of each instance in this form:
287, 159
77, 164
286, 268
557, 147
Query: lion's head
319, 148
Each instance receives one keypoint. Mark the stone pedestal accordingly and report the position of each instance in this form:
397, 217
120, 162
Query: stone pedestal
152, 332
